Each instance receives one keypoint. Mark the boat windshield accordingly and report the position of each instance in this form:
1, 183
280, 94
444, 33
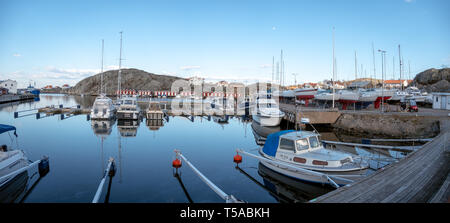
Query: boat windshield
302, 144
313, 142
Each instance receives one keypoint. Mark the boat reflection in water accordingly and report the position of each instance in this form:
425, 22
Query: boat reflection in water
285, 189
128, 128
102, 128
261, 132
20, 186
221, 120
154, 124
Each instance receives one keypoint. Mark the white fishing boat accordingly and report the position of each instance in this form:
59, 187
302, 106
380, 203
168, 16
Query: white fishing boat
14, 161
289, 152
267, 112
128, 108
103, 108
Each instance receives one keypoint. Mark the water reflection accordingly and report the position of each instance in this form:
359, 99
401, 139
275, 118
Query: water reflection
261, 132
285, 189
128, 128
102, 128
154, 124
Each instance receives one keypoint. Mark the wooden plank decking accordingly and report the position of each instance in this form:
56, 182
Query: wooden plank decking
417, 178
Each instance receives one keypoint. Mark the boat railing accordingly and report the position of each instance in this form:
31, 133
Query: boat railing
102, 182
325, 176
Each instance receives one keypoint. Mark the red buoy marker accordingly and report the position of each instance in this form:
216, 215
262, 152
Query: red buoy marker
237, 158
176, 163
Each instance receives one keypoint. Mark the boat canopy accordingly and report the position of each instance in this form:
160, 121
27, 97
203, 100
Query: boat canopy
6, 128
271, 145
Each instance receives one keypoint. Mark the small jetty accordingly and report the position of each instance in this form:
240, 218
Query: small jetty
7, 98
422, 176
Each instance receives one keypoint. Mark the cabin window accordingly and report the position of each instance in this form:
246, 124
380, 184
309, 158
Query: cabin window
128, 102
302, 144
287, 144
313, 142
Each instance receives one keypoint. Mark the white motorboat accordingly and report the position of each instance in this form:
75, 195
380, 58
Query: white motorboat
14, 162
267, 112
303, 149
128, 108
103, 108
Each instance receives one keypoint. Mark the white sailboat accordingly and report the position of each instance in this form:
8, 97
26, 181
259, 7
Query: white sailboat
103, 107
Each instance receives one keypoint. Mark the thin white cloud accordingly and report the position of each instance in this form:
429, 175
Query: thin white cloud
189, 67
17, 55
266, 66
409, 1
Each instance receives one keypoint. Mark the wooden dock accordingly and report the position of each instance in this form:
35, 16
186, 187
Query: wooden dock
422, 176
7, 98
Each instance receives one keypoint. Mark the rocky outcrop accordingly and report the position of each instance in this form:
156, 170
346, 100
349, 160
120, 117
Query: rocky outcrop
130, 79
433, 80
393, 126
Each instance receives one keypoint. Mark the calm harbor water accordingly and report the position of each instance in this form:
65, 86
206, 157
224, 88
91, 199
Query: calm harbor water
79, 149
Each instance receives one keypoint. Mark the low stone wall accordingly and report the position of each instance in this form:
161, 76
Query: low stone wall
394, 126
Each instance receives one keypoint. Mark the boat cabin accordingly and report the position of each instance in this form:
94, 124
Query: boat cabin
303, 148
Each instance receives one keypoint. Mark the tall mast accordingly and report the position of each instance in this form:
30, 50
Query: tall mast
120, 66
356, 67
101, 82
393, 67
400, 60
273, 67
373, 54
334, 73
281, 69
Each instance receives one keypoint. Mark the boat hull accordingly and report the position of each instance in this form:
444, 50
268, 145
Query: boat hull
10, 165
267, 121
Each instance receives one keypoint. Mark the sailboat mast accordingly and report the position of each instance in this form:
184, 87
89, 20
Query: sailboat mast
373, 54
120, 66
400, 60
356, 67
101, 82
334, 73
273, 66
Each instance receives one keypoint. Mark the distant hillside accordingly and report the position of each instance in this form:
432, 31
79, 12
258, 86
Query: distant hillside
433, 80
130, 79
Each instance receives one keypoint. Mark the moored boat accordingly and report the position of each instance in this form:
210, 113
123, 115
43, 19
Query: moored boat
285, 150
128, 108
103, 108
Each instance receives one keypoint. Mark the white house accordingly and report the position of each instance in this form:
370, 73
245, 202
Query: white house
11, 85
441, 100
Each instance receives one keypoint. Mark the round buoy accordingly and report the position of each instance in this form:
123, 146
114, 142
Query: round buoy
237, 158
176, 163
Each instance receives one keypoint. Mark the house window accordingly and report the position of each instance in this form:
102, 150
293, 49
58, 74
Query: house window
437, 98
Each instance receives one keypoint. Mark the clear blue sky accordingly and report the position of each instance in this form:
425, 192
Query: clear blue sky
57, 42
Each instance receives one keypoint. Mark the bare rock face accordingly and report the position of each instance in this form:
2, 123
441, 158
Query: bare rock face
133, 79
433, 80
373, 125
